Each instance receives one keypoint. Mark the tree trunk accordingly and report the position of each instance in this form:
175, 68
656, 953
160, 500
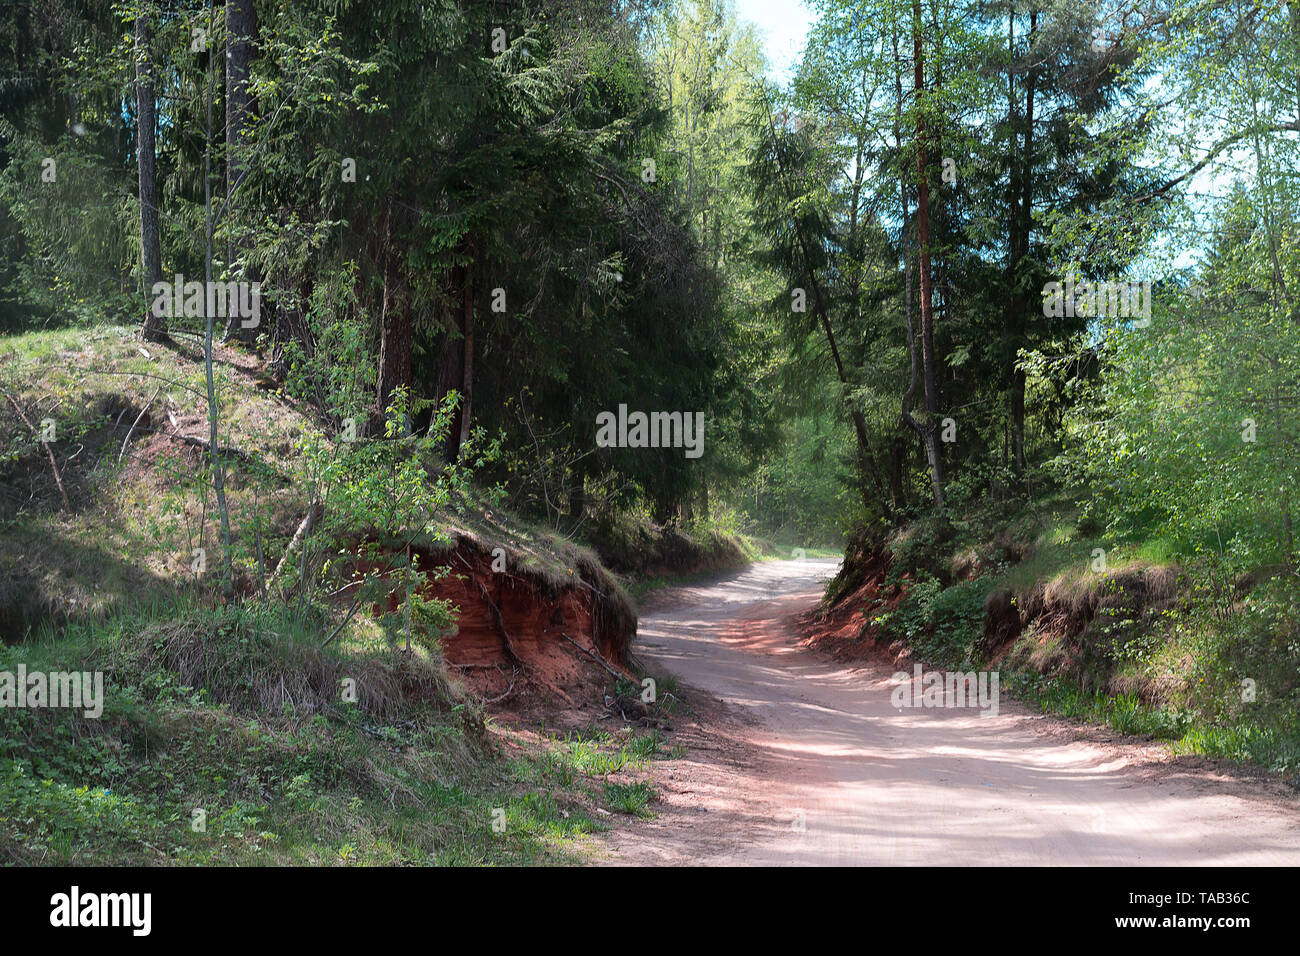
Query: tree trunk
1018, 249
909, 396
897, 490
155, 328
931, 435
214, 411
1021, 219
577, 501
467, 358
394, 328
241, 27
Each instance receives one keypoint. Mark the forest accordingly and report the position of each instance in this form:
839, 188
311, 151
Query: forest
317, 315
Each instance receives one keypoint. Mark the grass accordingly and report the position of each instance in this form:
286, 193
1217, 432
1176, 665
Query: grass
135, 518
1124, 714
590, 754
630, 798
196, 763
1275, 747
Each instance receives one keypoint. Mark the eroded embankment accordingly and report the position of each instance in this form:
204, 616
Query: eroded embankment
844, 625
644, 550
1074, 623
525, 629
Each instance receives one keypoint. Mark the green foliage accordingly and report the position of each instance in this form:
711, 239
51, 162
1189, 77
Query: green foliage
801, 492
77, 229
630, 798
1124, 713
940, 625
1271, 746
300, 787
337, 374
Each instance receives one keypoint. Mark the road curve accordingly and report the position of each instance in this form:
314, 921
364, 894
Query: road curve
847, 778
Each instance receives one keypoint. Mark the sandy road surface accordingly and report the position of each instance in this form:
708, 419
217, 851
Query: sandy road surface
808, 740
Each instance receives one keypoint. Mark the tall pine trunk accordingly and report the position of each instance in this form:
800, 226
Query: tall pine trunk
394, 327
241, 27
931, 431
214, 411
1021, 217
155, 328
909, 396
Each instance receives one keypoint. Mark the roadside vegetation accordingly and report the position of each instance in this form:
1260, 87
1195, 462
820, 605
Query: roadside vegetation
290, 726
307, 332
1123, 629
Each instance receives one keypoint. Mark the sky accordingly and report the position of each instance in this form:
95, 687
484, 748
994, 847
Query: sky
783, 24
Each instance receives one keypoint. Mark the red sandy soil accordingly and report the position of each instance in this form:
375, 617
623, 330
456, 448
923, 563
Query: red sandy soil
522, 643
796, 759
530, 642
846, 632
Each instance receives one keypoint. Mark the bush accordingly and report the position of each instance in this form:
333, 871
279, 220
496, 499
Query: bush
940, 625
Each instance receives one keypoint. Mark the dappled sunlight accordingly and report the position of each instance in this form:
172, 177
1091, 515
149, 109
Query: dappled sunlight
870, 783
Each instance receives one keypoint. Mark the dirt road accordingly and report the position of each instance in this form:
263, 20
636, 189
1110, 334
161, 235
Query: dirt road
807, 762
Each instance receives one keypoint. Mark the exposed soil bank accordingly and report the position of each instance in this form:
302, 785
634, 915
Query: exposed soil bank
842, 625
526, 630
1067, 625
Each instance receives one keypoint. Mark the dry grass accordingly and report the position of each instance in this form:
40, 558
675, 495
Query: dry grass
259, 672
1074, 622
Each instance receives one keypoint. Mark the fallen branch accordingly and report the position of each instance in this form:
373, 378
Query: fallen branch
131, 431
196, 442
343, 623
304, 528
207, 445
496, 700
594, 656
58, 479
